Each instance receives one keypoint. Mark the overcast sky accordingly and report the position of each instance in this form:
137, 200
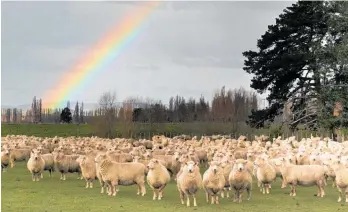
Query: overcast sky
187, 48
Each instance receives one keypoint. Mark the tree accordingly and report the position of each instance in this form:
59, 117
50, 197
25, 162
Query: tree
39, 112
286, 64
65, 116
77, 113
105, 122
34, 110
81, 114
334, 69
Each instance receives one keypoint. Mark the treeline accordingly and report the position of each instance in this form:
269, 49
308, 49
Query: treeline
226, 106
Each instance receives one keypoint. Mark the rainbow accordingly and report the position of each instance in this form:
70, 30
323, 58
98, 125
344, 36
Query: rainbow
105, 51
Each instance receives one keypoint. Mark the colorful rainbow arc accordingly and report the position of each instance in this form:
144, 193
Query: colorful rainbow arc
93, 63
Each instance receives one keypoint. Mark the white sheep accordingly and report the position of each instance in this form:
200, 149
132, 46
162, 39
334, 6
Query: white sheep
189, 181
305, 175
67, 164
5, 159
341, 172
213, 182
240, 179
265, 174
49, 163
114, 174
157, 177
88, 169
35, 165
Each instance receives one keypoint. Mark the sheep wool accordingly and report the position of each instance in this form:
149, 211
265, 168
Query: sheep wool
157, 178
35, 165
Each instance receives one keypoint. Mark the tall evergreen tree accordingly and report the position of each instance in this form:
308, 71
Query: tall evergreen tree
286, 63
81, 114
77, 113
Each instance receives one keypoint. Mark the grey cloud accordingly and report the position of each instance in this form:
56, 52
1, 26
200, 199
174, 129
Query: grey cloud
188, 48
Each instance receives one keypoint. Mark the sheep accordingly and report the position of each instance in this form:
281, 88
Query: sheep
49, 163
35, 165
67, 164
265, 174
305, 175
189, 181
341, 180
19, 155
227, 167
157, 177
213, 182
114, 174
88, 169
5, 160
240, 179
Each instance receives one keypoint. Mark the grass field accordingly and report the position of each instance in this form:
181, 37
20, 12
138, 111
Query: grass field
19, 193
142, 130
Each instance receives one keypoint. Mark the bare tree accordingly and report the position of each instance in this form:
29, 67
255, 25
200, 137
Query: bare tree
105, 122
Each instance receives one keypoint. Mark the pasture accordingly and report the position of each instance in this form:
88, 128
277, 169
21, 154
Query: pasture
19, 193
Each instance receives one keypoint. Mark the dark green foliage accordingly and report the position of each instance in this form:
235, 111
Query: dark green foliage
290, 61
66, 116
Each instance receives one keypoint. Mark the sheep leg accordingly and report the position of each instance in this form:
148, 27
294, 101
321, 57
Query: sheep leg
223, 193
91, 183
321, 187
339, 194
114, 185
154, 194
240, 197
249, 192
182, 196
50, 172
101, 186
207, 196
61, 176
346, 194
64, 176
87, 184
187, 200
143, 189
217, 199
33, 176
194, 200
212, 199
319, 190
268, 186
160, 192
236, 195
263, 186
41, 175
294, 190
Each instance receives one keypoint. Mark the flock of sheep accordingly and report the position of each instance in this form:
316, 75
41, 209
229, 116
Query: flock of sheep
231, 164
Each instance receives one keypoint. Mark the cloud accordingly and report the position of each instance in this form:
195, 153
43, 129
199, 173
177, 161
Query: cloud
187, 48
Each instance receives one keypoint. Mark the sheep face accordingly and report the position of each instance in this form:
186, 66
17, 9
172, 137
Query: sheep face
81, 159
100, 158
190, 166
35, 155
152, 164
241, 165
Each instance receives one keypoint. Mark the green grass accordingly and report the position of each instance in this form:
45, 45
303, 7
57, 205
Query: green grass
19, 193
148, 130
46, 130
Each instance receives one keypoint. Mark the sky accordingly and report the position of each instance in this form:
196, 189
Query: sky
187, 48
